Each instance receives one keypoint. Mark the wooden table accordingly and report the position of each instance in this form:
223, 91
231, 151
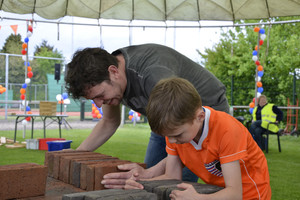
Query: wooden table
54, 118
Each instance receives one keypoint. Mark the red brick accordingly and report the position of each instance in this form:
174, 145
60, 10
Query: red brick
49, 159
22, 180
75, 167
65, 161
57, 159
83, 171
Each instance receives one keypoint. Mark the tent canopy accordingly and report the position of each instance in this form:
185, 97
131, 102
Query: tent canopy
156, 10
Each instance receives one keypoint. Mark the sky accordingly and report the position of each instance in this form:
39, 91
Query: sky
68, 38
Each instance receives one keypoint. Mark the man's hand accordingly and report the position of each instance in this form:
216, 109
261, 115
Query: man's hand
118, 180
188, 193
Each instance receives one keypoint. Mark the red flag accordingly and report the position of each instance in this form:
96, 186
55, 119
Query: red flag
14, 28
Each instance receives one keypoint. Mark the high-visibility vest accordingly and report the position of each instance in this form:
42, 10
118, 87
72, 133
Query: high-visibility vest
267, 115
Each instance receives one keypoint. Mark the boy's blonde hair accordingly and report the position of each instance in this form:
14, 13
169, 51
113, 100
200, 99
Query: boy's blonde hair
172, 103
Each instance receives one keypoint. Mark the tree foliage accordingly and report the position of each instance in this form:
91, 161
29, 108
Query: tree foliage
13, 45
42, 66
231, 59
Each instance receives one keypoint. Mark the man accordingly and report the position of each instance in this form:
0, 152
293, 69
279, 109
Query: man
127, 76
262, 114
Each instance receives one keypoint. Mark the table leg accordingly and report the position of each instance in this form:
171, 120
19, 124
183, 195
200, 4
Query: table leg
59, 125
16, 127
44, 120
32, 124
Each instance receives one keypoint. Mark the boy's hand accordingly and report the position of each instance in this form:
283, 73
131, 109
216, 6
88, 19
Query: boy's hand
132, 184
188, 193
118, 180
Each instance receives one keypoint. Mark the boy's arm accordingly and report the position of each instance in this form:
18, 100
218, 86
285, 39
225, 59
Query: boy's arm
233, 186
173, 170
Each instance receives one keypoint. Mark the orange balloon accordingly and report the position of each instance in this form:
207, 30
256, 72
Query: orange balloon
259, 84
29, 112
130, 117
256, 29
97, 112
260, 68
257, 48
22, 91
251, 105
24, 46
29, 69
99, 116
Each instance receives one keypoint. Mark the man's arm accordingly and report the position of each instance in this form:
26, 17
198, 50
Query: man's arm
103, 130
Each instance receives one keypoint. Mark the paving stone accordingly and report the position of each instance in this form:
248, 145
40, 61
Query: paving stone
22, 180
118, 194
150, 185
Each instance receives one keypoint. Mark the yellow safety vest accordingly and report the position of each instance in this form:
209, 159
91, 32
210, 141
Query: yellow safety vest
267, 115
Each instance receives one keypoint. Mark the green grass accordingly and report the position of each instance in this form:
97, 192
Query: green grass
130, 142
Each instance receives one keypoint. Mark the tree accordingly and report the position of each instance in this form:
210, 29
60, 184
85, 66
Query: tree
231, 59
13, 45
42, 67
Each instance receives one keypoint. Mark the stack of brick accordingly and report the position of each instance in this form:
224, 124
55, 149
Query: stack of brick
153, 190
82, 169
22, 180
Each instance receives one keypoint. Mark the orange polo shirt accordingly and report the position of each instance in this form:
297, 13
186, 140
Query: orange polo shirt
224, 140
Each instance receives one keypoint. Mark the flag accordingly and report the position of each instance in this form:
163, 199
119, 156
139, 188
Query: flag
14, 28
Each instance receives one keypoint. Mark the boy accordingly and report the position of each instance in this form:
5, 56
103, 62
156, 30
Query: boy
212, 144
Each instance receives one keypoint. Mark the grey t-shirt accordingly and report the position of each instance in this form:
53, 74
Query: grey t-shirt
147, 64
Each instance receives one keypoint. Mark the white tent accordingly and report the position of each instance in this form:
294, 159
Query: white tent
156, 10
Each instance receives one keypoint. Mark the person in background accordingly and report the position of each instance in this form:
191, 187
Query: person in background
213, 144
262, 114
127, 77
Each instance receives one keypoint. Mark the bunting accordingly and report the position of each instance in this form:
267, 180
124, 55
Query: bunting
14, 28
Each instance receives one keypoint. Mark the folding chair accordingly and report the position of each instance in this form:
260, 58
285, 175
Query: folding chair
278, 133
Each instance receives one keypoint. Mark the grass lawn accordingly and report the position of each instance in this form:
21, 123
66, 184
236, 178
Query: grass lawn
130, 143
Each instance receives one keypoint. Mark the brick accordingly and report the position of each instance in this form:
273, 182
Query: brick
149, 186
111, 194
83, 171
101, 170
200, 188
75, 168
22, 180
65, 164
57, 159
49, 159
82, 195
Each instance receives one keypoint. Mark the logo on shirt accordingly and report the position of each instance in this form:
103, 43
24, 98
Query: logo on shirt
214, 168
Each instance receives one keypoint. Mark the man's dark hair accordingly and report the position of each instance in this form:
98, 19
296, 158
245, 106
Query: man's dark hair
88, 68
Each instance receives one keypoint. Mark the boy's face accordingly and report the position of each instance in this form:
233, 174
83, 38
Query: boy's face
188, 131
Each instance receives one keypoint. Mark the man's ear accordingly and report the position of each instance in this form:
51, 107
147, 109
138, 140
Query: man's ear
113, 71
